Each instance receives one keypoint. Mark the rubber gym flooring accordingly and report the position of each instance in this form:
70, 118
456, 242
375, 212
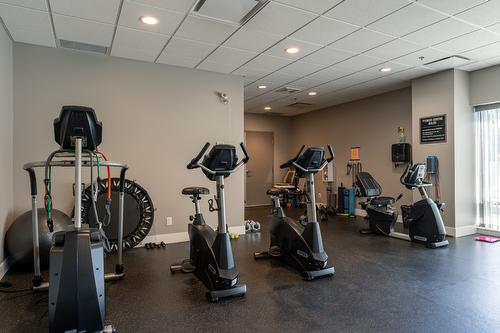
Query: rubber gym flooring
381, 285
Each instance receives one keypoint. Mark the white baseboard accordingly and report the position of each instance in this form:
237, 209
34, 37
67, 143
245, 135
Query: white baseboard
5, 266
179, 237
461, 231
489, 232
362, 213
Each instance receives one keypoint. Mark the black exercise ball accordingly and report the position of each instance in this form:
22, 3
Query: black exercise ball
19, 240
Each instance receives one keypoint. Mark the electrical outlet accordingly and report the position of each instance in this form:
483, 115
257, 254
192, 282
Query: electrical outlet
169, 220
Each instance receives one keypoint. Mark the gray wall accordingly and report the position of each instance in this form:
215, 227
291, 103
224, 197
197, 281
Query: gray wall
281, 127
484, 85
155, 117
6, 137
371, 123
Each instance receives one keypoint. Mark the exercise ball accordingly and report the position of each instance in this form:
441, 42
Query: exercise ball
19, 240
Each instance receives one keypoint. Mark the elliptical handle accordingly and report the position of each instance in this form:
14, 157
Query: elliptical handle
332, 154
245, 152
291, 161
194, 162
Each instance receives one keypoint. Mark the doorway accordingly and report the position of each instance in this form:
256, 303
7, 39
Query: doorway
260, 168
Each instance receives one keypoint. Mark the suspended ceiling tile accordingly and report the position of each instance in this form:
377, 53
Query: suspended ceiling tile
483, 52
268, 63
394, 49
484, 14
451, 7
33, 4
280, 78
363, 12
205, 30
231, 56
317, 6
394, 67
406, 20
251, 74
131, 12
305, 48
328, 56
182, 6
362, 40
94, 10
174, 60
412, 73
440, 32
422, 57
474, 66
179, 47
299, 69
83, 31
468, 41
279, 19
324, 31
360, 62
137, 44
252, 40
216, 67
28, 25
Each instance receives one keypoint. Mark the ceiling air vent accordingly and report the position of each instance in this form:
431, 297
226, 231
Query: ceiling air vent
287, 90
448, 62
299, 105
232, 11
68, 44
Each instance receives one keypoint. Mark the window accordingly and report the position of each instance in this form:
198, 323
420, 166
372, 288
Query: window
487, 123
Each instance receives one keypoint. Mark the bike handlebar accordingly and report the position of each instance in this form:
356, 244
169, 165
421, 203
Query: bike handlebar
194, 162
292, 160
244, 150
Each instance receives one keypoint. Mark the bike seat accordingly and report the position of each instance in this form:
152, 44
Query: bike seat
382, 201
276, 191
195, 190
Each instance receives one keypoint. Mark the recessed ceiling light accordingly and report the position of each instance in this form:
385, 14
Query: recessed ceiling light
385, 69
267, 108
150, 20
292, 50
312, 93
262, 86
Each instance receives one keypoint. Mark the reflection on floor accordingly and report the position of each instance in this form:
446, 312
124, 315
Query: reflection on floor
381, 285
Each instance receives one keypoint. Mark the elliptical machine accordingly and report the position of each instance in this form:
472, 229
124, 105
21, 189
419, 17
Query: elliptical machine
296, 245
423, 217
211, 256
76, 289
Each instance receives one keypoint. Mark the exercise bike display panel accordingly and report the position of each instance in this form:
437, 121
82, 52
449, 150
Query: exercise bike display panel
138, 213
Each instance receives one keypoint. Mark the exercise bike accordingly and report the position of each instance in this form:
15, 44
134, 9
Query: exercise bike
211, 256
294, 244
76, 289
423, 217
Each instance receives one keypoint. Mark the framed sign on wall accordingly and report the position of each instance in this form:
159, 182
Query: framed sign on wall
433, 129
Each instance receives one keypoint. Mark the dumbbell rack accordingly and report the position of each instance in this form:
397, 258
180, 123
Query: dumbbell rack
38, 283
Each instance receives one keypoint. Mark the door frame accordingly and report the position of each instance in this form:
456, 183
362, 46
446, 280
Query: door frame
245, 171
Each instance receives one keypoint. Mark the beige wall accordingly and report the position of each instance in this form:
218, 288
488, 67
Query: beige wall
464, 152
155, 117
281, 128
371, 123
434, 95
6, 137
484, 85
